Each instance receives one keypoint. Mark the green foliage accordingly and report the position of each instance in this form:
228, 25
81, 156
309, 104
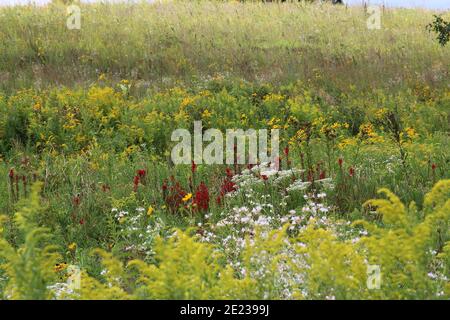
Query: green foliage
28, 265
402, 244
329, 266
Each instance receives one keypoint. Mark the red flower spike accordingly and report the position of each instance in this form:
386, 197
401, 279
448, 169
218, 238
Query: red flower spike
351, 172
141, 173
322, 175
286, 151
229, 172
76, 201
433, 166
311, 175
201, 198
136, 183
340, 162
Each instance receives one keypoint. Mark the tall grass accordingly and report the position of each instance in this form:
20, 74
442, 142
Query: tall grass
172, 41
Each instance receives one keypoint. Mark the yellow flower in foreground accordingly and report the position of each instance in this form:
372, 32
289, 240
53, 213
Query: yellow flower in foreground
150, 211
72, 246
187, 197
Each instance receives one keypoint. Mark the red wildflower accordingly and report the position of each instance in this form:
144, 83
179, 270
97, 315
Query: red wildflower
173, 194
193, 167
311, 175
286, 151
136, 183
322, 175
227, 187
201, 198
433, 166
24, 181
82, 221
11, 173
340, 162
351, 172
141, 173
76, 201
264, 177
229, 172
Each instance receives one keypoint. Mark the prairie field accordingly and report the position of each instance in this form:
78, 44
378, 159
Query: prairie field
92, 205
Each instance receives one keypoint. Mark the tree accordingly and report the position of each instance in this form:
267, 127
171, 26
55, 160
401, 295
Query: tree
442, 28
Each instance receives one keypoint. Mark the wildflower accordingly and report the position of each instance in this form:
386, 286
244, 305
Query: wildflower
150, 211
81, 221
76, 201
322, 175
433, 166
286, 151
187, 197
174, 194
72, 246
310, 175
141, 173
206, 114
136, 183
411, 133
193, 167
11, 173
201, 199
351, 171
340, 162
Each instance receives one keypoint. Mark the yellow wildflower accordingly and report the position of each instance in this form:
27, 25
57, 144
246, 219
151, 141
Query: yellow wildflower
187, 197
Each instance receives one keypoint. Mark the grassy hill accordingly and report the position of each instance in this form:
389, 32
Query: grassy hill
167, 42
